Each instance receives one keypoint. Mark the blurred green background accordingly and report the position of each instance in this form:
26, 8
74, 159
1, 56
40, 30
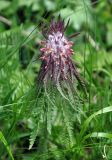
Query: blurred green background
21, 22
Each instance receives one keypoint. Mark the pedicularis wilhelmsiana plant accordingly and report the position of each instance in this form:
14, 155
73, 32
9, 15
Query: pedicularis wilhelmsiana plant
58, 98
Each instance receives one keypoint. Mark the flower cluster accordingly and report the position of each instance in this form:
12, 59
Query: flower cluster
56, 52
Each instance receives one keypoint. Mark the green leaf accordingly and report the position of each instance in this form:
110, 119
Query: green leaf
99, 135
33, 136
50, 5
4, 4
25, 3
86, 123
2, 138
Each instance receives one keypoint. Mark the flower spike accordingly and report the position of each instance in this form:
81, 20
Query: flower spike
57, 65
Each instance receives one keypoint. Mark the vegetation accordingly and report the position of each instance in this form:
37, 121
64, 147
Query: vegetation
54, 123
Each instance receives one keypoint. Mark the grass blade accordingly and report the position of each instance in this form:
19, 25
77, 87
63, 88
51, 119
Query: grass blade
86, 123
2, 138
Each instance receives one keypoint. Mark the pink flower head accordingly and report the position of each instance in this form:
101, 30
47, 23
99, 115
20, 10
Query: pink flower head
57, 65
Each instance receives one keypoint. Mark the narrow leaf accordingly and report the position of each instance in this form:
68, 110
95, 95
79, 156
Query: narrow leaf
86, 123
2, 138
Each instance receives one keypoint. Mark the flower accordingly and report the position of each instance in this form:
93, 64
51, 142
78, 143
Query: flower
57, 65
